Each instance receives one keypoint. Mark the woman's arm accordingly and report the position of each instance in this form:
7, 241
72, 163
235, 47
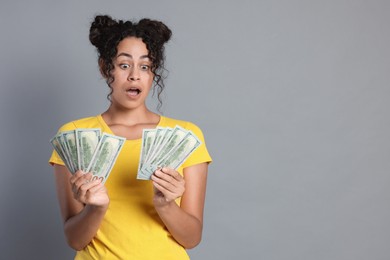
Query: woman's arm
83, 204
185, 223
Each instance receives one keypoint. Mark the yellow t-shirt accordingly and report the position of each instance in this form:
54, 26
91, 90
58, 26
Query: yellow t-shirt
131, 228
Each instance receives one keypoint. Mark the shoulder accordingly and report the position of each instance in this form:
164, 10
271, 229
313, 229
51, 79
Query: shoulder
171, 122
86, 122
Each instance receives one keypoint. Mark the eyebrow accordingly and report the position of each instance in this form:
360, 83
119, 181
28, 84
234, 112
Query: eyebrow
130, 56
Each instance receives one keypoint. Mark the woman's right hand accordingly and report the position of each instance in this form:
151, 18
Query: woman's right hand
88, 191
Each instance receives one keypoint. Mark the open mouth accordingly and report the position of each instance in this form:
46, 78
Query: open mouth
133, 91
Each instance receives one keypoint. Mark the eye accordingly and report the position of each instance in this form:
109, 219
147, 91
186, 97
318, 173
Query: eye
124, 66
145, 67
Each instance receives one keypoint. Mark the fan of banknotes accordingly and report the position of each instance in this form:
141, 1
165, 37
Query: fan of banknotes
165, 147
88, 150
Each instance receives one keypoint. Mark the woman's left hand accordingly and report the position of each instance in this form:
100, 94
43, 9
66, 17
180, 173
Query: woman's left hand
169, 185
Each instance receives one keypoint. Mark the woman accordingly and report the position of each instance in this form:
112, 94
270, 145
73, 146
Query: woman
126, 218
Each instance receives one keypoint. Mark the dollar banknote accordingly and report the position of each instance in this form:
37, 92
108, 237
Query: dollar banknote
69, 138
165, 148
165, 137
65, 151
58, 148
87, 141
105, 156
88, 150
147, 140
180, 153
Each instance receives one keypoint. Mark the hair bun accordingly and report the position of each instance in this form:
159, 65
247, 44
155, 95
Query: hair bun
100, 30
162, 32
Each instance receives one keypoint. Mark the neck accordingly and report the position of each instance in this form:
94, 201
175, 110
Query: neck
115, 115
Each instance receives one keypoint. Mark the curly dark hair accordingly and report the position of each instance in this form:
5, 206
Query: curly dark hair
106, 33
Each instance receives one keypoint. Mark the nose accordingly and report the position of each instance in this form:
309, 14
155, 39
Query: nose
134, 75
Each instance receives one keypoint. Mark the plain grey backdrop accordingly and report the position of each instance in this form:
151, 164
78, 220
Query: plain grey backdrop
293, 98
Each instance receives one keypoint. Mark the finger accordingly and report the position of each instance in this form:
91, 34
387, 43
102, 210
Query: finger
164, 180
165, 176
167, 194
79, 172
175, 180
90, 184
98, 185
85, 178
172, 172
85, 188
76, 176
80, 181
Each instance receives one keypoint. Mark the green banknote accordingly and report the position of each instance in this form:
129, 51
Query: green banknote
169, 148
87, 141
105, 156
88, 150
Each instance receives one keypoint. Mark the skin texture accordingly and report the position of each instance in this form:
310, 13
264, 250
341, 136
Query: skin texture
83, 203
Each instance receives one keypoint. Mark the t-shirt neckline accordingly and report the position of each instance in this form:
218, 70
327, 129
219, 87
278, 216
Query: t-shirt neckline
108, 130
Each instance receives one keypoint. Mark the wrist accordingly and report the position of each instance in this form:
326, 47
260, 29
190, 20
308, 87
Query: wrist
164, 206
99, 208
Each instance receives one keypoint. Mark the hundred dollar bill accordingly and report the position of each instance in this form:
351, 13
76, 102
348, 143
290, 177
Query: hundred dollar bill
176, 137
157, 149
142, 174
148, 136
181, 152
105, 156
65, 152
87, 141
70, 142
57, 146
160, 132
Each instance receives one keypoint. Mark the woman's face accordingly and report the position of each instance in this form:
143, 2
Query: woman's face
132, 73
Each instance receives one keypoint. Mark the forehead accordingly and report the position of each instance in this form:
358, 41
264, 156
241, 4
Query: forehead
133, 46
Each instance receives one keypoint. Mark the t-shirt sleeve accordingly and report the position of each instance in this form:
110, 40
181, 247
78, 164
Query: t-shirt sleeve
201, 154
55, 158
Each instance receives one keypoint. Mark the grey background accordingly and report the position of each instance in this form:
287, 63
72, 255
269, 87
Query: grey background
293, 98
